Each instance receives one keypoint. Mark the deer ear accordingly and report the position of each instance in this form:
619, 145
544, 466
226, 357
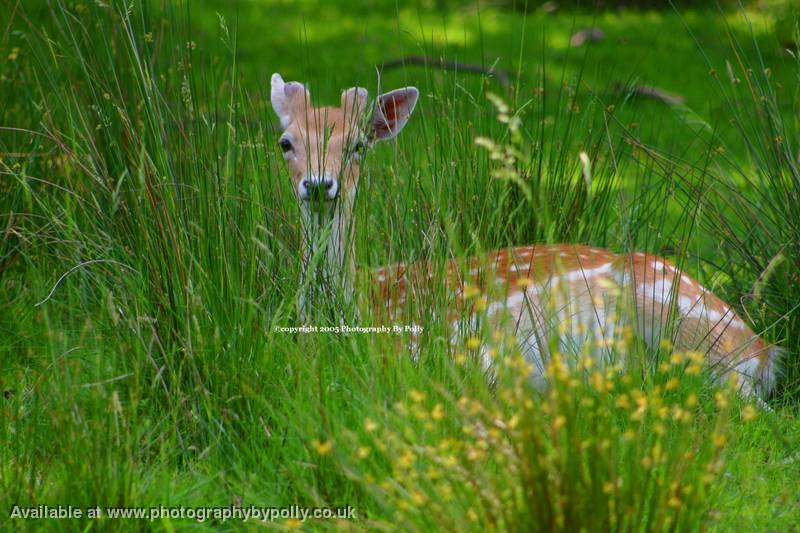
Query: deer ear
354, 102
392, 111
287, 99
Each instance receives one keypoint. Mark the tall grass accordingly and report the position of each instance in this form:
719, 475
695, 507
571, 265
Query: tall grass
598, 451
140, 185
750, 206
151, 248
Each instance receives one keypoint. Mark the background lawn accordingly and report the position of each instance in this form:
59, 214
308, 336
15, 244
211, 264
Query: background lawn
150, 249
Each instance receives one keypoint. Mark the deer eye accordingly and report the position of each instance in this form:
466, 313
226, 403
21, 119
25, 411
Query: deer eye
359, 148
285, 144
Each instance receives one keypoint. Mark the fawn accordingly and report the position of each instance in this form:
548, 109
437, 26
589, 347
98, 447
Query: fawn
576, 290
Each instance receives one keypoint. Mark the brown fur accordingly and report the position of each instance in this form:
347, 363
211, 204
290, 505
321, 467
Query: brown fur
661, 293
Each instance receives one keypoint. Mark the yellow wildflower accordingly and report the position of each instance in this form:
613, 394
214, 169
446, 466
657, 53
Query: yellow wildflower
470, 291
696, 357
693, 369
322, 447
748, 413
406, 459
418, 498
524, 282
721, 399
622, 401
416, 396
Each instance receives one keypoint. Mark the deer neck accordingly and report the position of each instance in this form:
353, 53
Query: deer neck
329, 266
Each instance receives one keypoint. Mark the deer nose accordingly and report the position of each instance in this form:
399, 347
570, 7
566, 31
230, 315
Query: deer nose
312, 185
318, 188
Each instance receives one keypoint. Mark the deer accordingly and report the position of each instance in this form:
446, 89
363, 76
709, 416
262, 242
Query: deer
579, 291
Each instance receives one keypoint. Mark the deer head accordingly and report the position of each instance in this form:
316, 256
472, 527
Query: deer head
323, 146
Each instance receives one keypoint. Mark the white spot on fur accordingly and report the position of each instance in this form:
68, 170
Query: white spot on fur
576, 275
658, 290
495, 308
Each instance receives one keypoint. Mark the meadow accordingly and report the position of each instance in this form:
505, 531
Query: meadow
150, 257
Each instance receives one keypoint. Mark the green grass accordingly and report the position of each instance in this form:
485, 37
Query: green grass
151, 246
